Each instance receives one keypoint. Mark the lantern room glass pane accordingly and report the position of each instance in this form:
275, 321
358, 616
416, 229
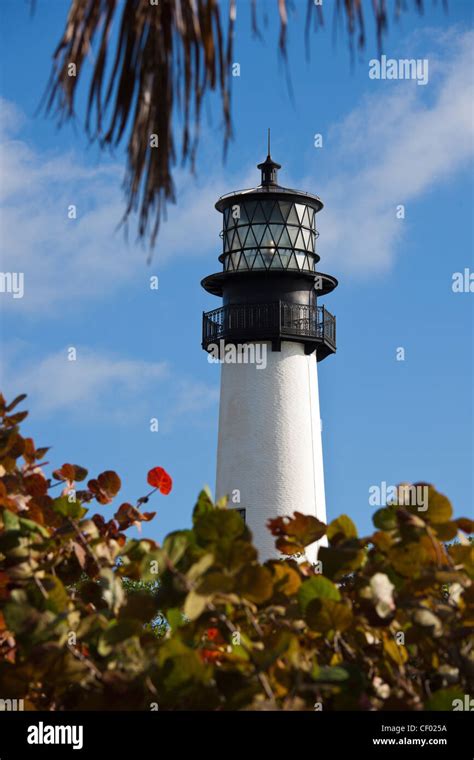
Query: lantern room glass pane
258, 230
293, 263
285, 258
300, 209
276, 230
242, 231
243, 218
258, 217
307, 239
300, 258
235, 260
250, 209
293, 233
230, 221
251, 241
267, 207
284, 241
277, 217
234, 241
292, 216
285, 207
258, 263
267, 239
250, 256
299, 241
267, 257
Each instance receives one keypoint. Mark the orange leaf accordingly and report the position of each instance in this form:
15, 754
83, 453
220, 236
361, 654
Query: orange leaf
159, 478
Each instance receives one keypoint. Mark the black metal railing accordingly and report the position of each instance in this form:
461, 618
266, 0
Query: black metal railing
268, 321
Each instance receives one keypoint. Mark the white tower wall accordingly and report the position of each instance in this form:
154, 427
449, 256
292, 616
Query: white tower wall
269, 445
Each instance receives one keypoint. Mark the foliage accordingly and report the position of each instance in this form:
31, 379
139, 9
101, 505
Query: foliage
151, 56
373, 630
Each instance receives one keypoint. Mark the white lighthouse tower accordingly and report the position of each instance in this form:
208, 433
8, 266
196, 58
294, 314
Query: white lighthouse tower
271, 332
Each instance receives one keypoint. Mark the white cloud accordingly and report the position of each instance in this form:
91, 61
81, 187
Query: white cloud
395, 146
99, 385
94, 383
73, 260
192, 399
398, 144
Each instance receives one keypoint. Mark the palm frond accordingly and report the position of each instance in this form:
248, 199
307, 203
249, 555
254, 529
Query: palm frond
150, 56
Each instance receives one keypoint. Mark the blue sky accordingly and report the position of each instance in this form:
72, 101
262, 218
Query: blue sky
385, 143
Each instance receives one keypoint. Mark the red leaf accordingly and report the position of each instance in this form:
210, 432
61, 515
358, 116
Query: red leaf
66, 472
159, 478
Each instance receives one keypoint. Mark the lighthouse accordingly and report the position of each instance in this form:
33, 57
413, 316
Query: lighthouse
269, 335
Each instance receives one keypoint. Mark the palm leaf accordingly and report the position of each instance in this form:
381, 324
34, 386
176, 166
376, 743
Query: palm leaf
153, 55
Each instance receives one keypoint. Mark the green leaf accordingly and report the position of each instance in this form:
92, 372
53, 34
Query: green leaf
340, 529
33, 527
112, 589
385, 518
175, 545
329, 673
341, 560
317, 588
66, 508
439, 507
181, 665
218, 526
446, 531
117, 632
199, 568
58, 600
396, 652
11, 521
274, 646
194, 605
175, 618
254, 583
20, 618
325, 615
204, 504
216, 581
